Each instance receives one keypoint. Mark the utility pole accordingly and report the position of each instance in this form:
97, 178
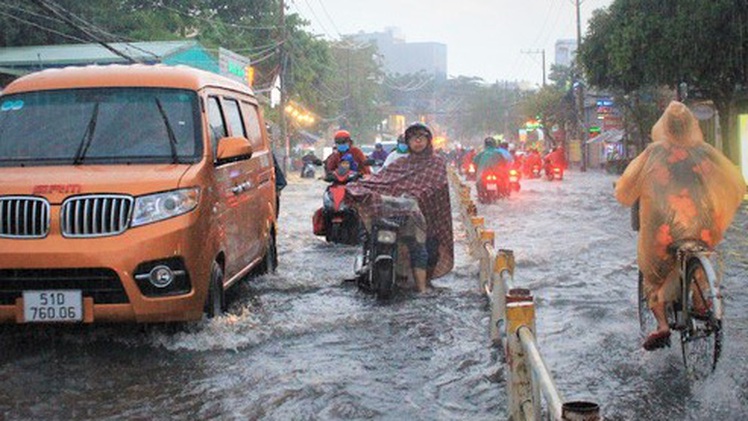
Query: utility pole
542, 52
582, 132
282, 78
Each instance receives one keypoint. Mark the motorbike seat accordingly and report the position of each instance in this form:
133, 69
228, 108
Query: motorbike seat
391, 223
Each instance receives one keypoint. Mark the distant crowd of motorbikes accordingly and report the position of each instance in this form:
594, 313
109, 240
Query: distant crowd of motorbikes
501, 181
376, 265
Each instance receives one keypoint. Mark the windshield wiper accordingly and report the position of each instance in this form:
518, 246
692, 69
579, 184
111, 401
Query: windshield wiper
87, 137
172, 138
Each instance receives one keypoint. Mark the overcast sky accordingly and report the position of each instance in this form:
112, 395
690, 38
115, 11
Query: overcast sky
484, 38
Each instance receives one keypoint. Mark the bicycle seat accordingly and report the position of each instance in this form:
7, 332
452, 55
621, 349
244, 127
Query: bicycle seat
688, 245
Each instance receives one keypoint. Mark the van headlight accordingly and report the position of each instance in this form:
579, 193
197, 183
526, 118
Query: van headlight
160, 206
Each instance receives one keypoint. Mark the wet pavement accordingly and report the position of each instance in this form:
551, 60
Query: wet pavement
304, 344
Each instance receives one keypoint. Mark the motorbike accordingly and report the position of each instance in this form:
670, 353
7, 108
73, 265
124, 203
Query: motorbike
553, 172
376, 266
471, 173
514, 176
340, 223
492, 186
308, 170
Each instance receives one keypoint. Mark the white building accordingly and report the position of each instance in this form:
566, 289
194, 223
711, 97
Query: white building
566, 52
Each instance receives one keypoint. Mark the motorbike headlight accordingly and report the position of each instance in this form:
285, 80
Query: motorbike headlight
386, 237
160, 206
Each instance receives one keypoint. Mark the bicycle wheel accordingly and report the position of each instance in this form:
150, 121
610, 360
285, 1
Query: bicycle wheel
647, 321
701, 336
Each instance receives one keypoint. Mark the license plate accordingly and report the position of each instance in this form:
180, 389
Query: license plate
53, 306
491, 187
512, 179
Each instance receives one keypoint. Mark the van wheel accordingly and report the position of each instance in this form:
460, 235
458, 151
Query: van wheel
216, 302
270, 262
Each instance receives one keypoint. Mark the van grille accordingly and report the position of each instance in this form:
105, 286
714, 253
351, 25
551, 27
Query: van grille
24, 217
95, 216
103, 285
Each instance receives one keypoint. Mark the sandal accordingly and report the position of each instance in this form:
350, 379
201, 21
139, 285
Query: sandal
657, 340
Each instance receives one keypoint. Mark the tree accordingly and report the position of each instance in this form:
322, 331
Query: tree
355, 83
638, 44
553, 106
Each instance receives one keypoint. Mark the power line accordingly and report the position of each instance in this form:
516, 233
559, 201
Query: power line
324, 9
61, 13
212, 21
43, 27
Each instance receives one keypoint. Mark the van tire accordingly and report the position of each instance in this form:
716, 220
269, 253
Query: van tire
215, 305
270, 261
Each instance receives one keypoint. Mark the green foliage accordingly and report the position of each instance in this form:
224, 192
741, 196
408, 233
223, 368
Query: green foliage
248, 27
642, 43
478, 109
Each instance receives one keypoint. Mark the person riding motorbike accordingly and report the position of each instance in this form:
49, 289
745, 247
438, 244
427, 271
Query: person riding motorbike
309, 159
556, 158
400, 151
423, 176
379, 154
491, 158
533, 162
344, 149
467, 162
687, 190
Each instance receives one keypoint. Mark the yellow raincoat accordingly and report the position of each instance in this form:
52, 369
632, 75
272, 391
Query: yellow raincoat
687, 190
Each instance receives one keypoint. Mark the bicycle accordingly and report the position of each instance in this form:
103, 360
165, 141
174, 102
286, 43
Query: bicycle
696, 313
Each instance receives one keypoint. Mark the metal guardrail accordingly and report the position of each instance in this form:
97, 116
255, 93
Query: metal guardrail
512, 325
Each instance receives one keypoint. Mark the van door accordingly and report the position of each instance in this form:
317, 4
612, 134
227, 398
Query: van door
263, 165
250, 221
230, 179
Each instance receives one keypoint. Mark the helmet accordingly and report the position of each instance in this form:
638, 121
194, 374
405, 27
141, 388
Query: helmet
416, 128
489, 142
342, 135
378, 145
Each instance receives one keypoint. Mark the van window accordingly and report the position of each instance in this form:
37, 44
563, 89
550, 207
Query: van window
102, 126
254, 132
234, 117
215, 121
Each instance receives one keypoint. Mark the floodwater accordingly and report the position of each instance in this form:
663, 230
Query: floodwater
304, 344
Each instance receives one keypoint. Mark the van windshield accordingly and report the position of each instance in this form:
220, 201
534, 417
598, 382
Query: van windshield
100, 126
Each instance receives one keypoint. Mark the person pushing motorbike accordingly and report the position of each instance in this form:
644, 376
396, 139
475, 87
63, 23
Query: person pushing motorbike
422, 175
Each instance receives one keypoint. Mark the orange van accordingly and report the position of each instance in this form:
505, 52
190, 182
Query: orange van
130, 193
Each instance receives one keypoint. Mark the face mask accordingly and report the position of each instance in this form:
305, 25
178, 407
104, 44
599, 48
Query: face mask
402, 147
343, 148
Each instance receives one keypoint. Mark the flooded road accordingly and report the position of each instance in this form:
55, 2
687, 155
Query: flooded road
304, 344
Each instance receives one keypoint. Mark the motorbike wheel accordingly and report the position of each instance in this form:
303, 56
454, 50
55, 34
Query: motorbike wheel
385, 279
335, 233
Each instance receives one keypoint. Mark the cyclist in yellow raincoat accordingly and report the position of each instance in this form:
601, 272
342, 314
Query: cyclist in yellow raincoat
687, 190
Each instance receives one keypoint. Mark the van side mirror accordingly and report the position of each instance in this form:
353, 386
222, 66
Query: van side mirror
231, 149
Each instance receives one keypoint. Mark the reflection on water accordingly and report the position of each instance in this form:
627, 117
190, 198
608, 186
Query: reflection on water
304, 344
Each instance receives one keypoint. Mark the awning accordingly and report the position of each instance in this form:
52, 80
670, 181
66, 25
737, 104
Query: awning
611, 136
